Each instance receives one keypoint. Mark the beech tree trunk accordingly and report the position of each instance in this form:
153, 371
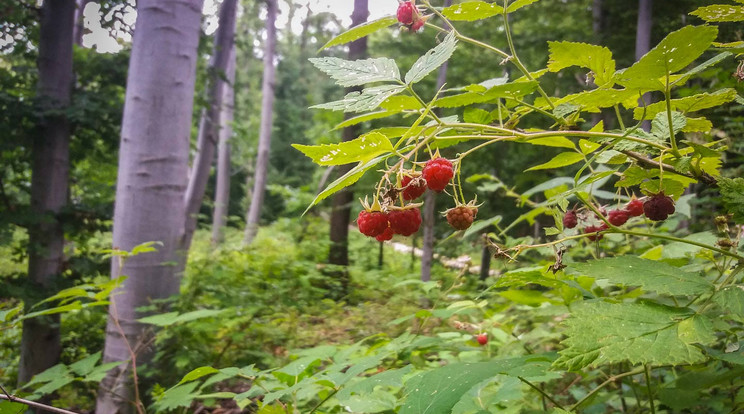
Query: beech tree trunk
40, 342
153, 170
209, 125
222, 191
643, 44
264, 136
79, 29
341, 206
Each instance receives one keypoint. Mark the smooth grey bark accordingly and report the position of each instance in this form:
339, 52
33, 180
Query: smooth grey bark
222, 190
209, 124
428, 217
643, 45
40, 341
79, 30
151, 183
264, 136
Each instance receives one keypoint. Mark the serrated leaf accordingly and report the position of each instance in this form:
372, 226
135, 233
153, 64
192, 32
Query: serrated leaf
518, 4
471, 11
401, 103
363, 148
358, 32
660, 124
358, 72
669, 186
172, 318
561, 160
508, 90
366, 100
389, 378
598, 59
674, 53
197, 373
697, 125
558, 142
720, 13
477, 116
594, 100
650, 275
85, 365
732, 195
347, 179
587, 147
731, 299
680, 79
433, 59
364, 118
689, 103
601, 333
635, 175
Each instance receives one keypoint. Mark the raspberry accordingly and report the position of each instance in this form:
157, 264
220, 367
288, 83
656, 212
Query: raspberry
460, 218
634, 208
372, 223
437, 173
417, 25
482, 338
658, 207
405, 222
386, 235
407, 13
596, 230
618, 217
412, 188
569, 219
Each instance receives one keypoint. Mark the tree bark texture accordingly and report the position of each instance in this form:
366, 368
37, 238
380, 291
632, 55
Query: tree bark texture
264, 136
341, 205
643, 45
209, 124
222, 190
40, 342
151, 183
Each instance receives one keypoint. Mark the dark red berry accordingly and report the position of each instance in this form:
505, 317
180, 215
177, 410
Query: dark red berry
618, 217
570, 220
386, 235
460, 218
413, 188
482, 338
407, 12
634, 208
594, 230
658, 207
438, 173
405, 222
372, 223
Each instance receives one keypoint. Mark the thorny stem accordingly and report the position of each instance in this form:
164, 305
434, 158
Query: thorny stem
604, 384
544, 394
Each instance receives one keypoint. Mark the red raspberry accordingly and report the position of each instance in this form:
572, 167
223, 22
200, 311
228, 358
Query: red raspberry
596, 230
618, 217
372, 223
437, 173
460, 218
386, 235
482, 338
658, 207
407, 12
634, 208
569, 219
405, 222
417, 25
412, 188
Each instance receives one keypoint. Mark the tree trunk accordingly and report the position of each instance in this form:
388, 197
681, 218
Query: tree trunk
222, 191
209, 125
427, 249
643, 45
40, 342
151, 183
79, 29
264, 137
338, 253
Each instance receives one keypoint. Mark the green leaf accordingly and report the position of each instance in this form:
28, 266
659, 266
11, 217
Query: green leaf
681, 79
698, 125
358, 32
689, 103
432, 59
587, 147
731, 299
675, 52
598, 59
366, 100
648, 274
720, 13
471, 11
389, 378
358, 72
660, 124
197, 373
172, 318
561, 160
477, 116
732, 195
348, 179
508, 90
595, 99
363, 148
601, 333
558, 142
364, 118
518, 4
85, 365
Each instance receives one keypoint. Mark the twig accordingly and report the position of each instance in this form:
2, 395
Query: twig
544, 394
49, 408
602, 385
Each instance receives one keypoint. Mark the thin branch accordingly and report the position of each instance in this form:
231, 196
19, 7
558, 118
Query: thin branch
544, 394
34, 404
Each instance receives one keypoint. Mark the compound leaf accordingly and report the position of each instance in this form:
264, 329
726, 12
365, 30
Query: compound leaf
432, 59
366, 100
358, 72
598, 59
365, 147
358, 32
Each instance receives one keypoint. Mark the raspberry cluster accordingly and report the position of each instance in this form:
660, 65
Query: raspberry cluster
383, 225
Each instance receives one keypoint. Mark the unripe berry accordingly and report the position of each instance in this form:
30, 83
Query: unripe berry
372, 223
658, 207
460, 218
438, 173
570, 220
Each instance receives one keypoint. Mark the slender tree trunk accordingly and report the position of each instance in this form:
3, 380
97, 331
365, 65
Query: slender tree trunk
152, 179
79, 29
209, 125
222, 191
264, 138
40, 342
338, 253
643, 45
427, 249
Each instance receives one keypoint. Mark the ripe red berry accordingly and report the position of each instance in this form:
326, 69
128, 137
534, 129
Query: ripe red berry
407, 12
413, 188
595, 230
437, 173
372, 223
482, 338
405, 222
658, 207
417, 25
634, 208
570, 220
460, 218
385, 235
618, 217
